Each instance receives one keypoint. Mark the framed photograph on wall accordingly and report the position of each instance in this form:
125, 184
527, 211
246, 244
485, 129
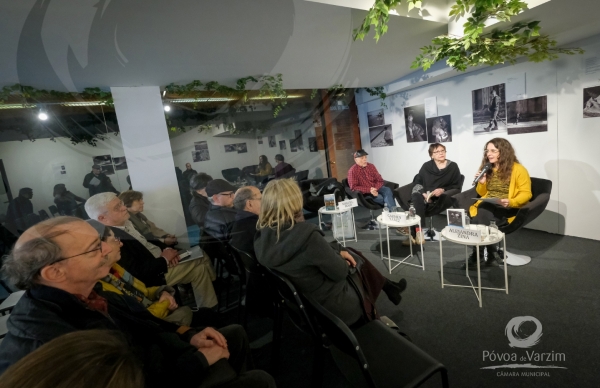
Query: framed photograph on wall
272, 142
527, 116
439, 129
375, 118
456, 217
282, 145
591, 102
489, 109
414, 119
381, 136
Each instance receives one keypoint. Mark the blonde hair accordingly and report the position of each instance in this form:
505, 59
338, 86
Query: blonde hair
281, 203
88, 358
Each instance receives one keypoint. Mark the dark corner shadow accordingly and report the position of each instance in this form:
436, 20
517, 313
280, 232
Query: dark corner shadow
398, 250
490, 276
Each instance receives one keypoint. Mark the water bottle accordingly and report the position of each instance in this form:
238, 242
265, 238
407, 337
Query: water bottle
385, 209
493, 228
411, 211
467, 222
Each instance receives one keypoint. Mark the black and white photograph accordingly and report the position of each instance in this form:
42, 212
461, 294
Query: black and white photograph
456, 217
375, 118
439, 129
298, 137
272, 142
489, 109
312, 144
108, 169
120, 163
260, 140
293, 146
102, 160
282, 146
591, 102
200, 153
242, 148
381, 136
414, 119
527, 116
230, 147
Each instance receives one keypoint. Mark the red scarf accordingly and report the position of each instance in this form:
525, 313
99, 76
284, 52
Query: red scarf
94, 302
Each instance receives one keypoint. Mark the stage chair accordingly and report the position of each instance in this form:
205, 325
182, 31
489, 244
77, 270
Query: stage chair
540, 189
231, 174
43, 215
366, 200
374, 355
404, 195
313, 203
54, 210
301, 175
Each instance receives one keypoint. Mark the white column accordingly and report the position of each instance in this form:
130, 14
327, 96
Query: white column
149, 157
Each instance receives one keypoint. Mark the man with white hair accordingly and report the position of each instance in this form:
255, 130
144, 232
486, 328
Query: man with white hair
59, 262
149, 263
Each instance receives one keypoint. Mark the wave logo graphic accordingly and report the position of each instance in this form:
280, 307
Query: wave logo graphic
514, 338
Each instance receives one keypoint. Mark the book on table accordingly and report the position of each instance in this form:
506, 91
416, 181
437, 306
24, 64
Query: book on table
329, 201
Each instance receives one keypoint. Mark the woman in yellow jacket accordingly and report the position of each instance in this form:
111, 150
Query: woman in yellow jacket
508, 182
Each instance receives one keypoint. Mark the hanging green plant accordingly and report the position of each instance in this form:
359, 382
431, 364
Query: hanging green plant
475, 48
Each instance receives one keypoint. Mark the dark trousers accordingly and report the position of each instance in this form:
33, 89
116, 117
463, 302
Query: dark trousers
487, 212
438, 205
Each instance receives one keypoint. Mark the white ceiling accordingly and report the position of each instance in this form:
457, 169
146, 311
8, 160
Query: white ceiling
72, 44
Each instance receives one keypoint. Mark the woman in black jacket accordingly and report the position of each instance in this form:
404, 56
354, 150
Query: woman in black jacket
297, 249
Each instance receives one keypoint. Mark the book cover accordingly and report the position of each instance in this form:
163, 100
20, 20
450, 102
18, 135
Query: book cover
329, 201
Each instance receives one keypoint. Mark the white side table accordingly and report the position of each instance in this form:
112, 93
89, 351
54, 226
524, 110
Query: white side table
338, 212
407, 223
489, 240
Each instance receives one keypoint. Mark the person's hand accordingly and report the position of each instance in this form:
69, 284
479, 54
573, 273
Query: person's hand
425, 196
170, 240
207, 338
503, 202
165, 295
171, 256
483, 178
214, 354
374, 192
438, 192
348, 257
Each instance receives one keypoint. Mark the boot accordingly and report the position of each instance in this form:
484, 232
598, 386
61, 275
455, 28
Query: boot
473, 260
493, 259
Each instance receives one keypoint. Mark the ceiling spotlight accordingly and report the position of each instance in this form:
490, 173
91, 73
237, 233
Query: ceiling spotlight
164, 92
42, 116
167, 108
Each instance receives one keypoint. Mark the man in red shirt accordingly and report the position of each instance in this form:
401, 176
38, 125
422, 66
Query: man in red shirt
364, 178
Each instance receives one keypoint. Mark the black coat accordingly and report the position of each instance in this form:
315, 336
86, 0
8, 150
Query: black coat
139, 262
105, 185
219, 222
199, 206
45, 313
244, 231
19, 207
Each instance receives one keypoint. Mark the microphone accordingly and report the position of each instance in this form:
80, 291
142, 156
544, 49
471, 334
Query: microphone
485, 169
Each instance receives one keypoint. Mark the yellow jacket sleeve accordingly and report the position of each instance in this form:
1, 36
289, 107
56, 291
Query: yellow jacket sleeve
159, 309
519, 191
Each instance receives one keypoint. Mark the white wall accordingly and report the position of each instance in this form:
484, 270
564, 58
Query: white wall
183, 145
566, 154
30, 164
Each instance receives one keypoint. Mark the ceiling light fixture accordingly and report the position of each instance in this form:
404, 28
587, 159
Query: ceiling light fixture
167, 108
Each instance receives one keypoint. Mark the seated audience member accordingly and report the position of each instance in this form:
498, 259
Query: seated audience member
247, 201
200, 203
65, 201
509, 182
19, 208
221, 214
189, 172
97, 182
59, 262
437, 176
283, 169
94, 358
364, 178
284, 242
159, 300
134, 202
264, 168
146, 261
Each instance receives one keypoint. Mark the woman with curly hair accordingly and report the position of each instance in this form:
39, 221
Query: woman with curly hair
507, 181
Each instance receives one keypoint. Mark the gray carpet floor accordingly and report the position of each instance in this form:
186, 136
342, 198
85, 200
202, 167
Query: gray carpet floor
559, 288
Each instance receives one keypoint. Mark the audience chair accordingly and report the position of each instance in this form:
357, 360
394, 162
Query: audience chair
9, 303
366, 200
54, 210
404, 195
231, 174
301, 175
32, 219
226, 267
374, 355
289, 299
44, 215
540, 189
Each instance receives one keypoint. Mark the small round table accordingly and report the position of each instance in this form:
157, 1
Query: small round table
406, 223
489, 240
338, 213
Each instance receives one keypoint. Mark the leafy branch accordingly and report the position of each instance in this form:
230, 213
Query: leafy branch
379, 16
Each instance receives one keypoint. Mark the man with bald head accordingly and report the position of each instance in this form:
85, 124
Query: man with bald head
59, 262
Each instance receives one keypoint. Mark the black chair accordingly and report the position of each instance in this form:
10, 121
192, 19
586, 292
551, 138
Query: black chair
54, 210
290, 301
301, 175
32, 219
374, 355
313, 203
404, 195
366, 200
231, 174
540, 190
44, 215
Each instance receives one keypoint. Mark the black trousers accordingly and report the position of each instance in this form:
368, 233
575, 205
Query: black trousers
438, 205
487, 212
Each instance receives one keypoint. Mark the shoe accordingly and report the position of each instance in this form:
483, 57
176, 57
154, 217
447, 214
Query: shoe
393, 290
406, 242
472, 262
402, 231
492, 259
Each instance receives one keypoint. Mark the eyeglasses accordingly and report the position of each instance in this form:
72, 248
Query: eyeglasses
440, 152
227, 194
119, 206
491, 151
98, 248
